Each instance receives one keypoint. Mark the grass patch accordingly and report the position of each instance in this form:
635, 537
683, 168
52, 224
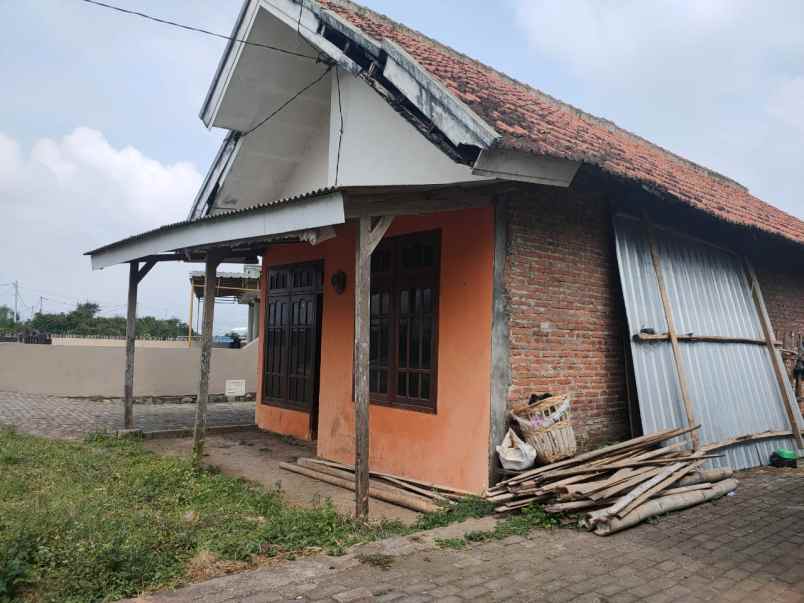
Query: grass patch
466, 508
451, 543
529, 518
106, 519
379, 560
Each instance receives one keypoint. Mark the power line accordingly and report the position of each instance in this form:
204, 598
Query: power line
287, 102
340, 133
198, 29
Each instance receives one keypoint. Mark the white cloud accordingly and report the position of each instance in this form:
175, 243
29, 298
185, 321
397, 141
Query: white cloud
786, 102
9, 157
717, 81
78, 192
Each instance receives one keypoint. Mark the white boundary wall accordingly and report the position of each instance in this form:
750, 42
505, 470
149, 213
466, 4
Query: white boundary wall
98, 370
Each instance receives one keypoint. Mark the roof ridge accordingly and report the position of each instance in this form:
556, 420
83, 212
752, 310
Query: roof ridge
535, 122
580, 112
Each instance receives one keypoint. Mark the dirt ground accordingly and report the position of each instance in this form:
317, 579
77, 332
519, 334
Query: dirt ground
256, 456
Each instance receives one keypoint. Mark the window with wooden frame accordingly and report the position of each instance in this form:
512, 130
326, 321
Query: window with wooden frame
404, 321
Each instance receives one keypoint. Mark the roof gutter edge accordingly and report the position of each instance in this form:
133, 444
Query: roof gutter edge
222, 61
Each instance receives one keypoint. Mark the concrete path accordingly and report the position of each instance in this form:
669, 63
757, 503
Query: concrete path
256, 456
746, 547
55, 417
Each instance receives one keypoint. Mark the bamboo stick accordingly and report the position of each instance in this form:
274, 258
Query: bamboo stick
400, 498
622, 486
642, 441
706, 475
620, 465
346, 474
655, 489
443, 489
578, 505
626, 500
666, 504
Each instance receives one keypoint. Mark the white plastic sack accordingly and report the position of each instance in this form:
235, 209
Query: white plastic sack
514, 453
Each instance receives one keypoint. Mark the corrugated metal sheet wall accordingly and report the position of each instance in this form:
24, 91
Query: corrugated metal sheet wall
732, 386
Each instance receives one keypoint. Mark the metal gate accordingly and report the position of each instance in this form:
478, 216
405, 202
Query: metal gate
728, 369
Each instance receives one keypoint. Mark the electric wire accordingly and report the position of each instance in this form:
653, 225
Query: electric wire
287, 102
340, 132
201, 30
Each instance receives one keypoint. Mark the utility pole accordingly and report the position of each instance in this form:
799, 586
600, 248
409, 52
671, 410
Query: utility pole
41, 303
16, 301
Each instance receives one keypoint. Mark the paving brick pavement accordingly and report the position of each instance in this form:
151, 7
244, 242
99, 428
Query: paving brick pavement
747, 547
56, 417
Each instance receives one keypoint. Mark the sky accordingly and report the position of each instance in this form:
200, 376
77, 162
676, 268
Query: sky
100, 136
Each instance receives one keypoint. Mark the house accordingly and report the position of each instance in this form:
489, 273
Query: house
519, 245
235, 287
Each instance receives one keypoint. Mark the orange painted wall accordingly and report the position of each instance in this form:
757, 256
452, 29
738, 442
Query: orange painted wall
450, 447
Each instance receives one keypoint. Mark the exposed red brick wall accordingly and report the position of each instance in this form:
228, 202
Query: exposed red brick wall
784, 298
783, 290
567, 320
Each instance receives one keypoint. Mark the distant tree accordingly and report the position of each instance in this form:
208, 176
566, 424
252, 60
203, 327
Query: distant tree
84, 320
6, 318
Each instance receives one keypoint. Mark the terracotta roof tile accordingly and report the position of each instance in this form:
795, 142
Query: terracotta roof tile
531, 121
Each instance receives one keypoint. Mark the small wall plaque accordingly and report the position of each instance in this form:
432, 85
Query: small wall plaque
235, 387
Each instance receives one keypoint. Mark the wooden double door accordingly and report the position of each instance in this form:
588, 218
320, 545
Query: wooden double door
293, 338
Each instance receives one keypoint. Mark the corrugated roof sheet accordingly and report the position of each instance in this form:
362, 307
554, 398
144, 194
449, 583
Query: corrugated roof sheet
532, 121
220, 216
732, 386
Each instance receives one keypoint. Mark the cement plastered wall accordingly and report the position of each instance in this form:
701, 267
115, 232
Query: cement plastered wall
98, 370
451, 445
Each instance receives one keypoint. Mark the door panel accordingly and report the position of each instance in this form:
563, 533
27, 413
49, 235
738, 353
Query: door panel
293, 341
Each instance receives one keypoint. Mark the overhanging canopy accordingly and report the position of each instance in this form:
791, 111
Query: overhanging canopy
254, 224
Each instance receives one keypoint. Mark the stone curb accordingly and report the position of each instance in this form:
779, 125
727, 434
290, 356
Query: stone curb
187, 432
313, 568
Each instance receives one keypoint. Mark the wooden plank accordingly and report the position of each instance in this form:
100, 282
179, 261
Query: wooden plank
681, 372
379, 482
752, 437
776, 361
622, 464
648, 337
378, 232
200, 427
642, 441
400, 498
443, 489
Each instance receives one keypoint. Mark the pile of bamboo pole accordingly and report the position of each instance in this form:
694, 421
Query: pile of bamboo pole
413, 494
621, 485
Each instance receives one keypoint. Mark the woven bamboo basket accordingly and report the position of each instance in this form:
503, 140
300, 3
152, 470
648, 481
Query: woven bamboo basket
546, 426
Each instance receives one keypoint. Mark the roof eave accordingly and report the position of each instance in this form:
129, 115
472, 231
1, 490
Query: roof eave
316, 209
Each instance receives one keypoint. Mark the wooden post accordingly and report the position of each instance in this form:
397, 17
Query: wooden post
367, 240
135, 275
190, 319
775, 357
131, 335
200, 427
671, 330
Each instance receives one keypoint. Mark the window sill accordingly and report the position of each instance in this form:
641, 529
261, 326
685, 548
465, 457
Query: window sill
428, 410
286, 405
